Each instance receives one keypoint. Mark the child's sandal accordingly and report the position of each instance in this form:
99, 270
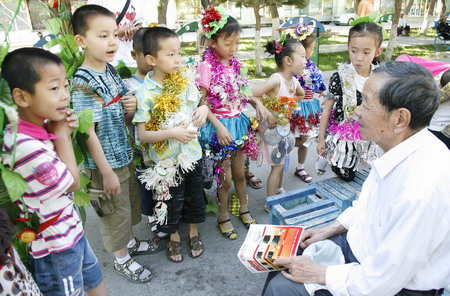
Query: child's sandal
196, 245
174, 249
229, 234
247, 223
134, 276
152, 248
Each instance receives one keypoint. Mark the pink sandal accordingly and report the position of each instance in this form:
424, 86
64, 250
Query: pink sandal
304, 177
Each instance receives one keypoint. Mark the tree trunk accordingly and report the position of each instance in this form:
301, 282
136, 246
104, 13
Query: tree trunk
393, 35
257, 39
275, 21
408, 6
357, 2
162, 11
428, 17
205, 3
441, 7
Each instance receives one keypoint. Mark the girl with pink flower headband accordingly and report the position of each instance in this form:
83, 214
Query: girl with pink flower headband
227, 136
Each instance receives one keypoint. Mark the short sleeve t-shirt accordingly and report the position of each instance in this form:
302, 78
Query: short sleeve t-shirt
47, 180
97, 91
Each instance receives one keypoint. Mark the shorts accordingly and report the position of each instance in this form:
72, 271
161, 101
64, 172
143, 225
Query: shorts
125, 208
69, 272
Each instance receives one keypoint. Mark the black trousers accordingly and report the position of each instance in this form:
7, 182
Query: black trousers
187, 202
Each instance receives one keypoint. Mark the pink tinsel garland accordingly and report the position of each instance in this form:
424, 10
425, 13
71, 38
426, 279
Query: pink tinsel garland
229, 85
348, 130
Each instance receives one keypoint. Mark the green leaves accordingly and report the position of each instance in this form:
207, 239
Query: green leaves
53, 25
81, 199
5, 92
14, 183
85, 119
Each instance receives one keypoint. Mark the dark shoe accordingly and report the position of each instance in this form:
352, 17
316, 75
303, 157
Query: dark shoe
195, 244
247, 223
153, 247
229, 234
134, 276
174, 249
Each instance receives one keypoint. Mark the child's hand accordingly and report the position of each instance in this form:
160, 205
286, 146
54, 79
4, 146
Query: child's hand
224, 137
321, 146
64, 128
129, 103
111, 183
199, 115
261, 112
271, 120
182, 134
129, 29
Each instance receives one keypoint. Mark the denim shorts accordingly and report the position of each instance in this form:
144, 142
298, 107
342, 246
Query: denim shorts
70, 272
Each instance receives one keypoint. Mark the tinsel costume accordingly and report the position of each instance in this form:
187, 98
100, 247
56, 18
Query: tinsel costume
277, 143
306, 118
345, 148
227, 93
169, 159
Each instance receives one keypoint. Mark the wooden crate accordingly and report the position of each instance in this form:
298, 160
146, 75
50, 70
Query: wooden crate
316, 205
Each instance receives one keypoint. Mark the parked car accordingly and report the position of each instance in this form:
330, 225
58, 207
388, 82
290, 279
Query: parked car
344, 18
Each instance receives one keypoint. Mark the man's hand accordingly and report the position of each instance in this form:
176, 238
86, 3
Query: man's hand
302, 270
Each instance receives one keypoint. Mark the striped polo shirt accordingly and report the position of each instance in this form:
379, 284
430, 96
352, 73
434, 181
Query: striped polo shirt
96, 91
48, 180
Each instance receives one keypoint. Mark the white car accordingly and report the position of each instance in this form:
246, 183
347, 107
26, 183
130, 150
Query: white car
343, 18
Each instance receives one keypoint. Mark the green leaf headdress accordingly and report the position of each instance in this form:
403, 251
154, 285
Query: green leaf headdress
213, 19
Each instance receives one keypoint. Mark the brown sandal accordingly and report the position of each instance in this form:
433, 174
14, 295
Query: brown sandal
174, 249
195, 244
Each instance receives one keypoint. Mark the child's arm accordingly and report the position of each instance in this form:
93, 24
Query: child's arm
223, 135
63, 145
325, 117
111, 183
268, 87
179, 133
261, 111
299, 91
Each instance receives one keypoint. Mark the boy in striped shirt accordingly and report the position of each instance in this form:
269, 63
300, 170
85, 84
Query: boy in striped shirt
62, 260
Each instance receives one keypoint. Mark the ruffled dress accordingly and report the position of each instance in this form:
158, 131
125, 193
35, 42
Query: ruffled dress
277, 143
306, 119
345, 148
227, 95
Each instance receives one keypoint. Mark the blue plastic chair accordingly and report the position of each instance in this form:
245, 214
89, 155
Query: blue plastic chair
44, 40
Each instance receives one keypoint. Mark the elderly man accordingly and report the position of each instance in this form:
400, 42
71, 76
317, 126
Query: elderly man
403, 25
396, 237
443, 28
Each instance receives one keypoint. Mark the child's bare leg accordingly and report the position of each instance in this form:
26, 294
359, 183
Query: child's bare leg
280, 184
225, 185
237, 169
301, 153
193, 232
100, 290
274, 179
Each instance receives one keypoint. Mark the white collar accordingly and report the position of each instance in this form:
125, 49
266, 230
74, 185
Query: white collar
386, 163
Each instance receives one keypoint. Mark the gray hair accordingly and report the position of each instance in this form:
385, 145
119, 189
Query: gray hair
409, 86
